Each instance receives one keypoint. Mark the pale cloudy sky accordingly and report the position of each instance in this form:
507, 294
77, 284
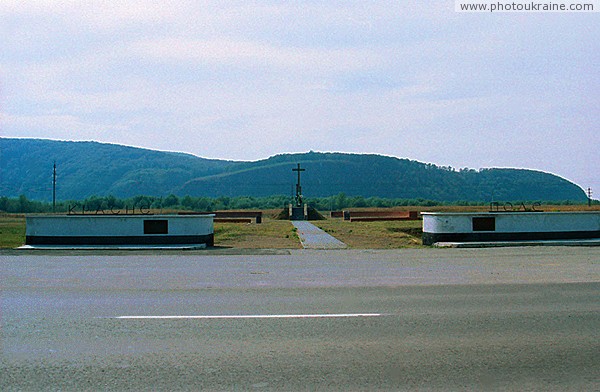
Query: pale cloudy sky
245, 80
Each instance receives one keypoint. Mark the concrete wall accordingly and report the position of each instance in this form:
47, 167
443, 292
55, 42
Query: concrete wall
438, 226
119, 229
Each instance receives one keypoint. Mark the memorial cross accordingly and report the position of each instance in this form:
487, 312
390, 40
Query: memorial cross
298, 186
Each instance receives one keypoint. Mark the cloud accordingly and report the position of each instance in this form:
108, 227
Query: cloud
90, 15
248, 54
60, 126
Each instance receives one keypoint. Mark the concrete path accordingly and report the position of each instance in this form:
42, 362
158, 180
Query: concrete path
314, 238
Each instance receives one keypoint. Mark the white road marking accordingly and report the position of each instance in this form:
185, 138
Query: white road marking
255, 316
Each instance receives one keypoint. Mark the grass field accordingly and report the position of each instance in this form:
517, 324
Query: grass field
374, 235
280, 234
12, 230
271, 234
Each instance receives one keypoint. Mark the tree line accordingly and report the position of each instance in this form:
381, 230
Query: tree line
340, 201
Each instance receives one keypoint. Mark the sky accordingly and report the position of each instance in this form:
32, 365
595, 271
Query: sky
245, 80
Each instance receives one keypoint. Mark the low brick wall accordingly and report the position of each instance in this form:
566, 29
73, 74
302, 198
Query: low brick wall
233, 220
381, 218
367, 216
219, 215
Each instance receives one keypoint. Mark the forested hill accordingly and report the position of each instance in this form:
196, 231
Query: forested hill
91, 168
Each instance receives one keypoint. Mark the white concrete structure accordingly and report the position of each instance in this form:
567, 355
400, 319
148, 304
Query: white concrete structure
116, 229
509, 226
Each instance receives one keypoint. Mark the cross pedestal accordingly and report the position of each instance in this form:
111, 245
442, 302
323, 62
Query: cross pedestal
298, 213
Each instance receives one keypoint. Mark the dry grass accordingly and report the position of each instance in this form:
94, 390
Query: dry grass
12, 230
271, 234
374, 235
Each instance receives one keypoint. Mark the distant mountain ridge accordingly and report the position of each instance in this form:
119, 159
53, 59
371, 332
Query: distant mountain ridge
91, 168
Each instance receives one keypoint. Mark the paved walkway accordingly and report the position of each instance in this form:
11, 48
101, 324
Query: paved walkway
314, 238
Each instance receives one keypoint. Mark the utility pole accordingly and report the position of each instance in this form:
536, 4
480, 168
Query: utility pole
54, 188
589, 195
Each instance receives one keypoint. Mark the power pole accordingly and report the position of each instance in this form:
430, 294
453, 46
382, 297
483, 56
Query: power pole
589, 195
54, 188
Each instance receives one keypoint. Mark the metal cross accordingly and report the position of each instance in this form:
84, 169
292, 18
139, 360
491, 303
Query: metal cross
298, 187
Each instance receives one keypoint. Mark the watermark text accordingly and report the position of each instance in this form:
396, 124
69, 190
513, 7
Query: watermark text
526, 6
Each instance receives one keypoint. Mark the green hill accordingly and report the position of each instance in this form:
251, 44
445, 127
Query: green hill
91, 168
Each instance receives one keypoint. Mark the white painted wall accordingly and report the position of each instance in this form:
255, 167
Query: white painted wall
513, 222
115, 225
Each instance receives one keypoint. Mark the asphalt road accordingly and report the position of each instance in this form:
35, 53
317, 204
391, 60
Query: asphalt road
429, 319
